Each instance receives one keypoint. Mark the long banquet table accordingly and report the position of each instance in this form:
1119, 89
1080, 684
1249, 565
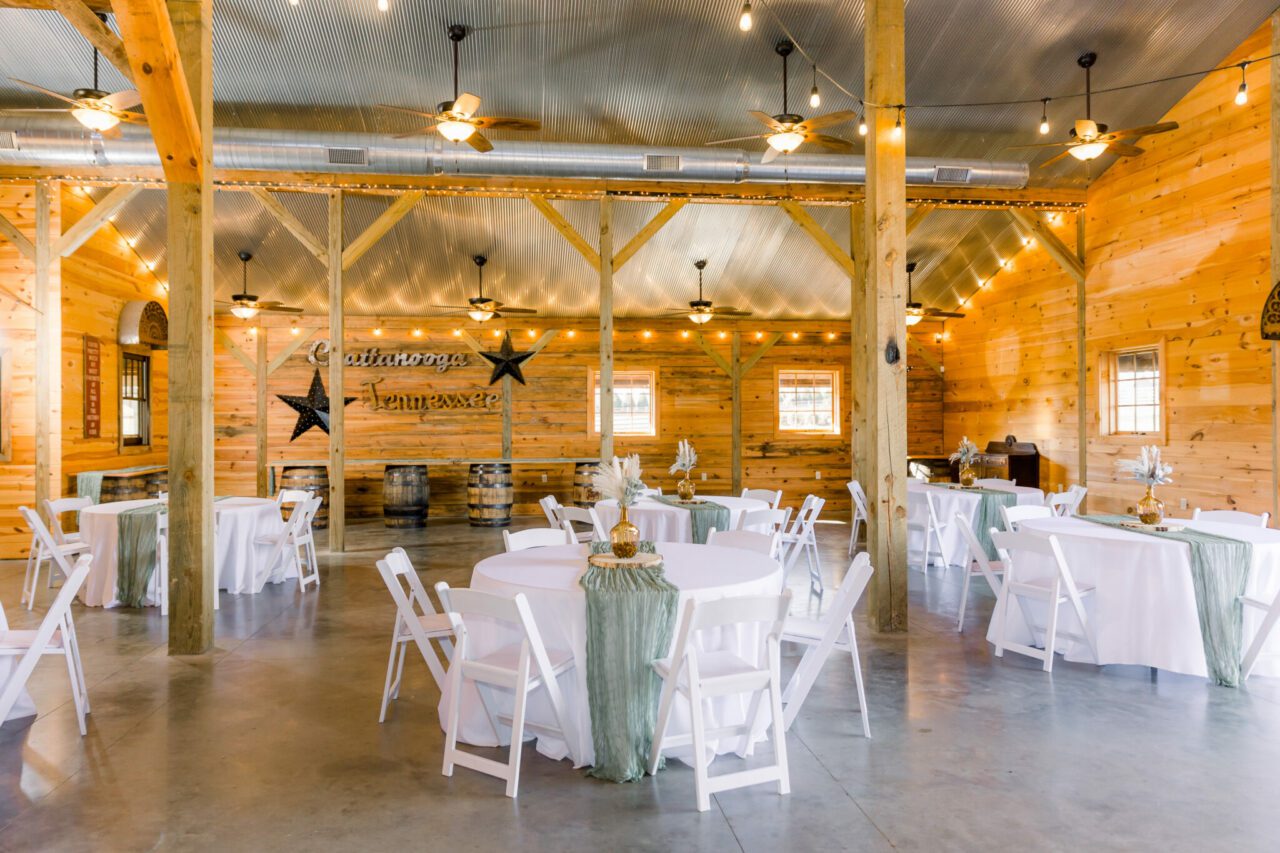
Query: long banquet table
948, 502
549, 579
1143, 610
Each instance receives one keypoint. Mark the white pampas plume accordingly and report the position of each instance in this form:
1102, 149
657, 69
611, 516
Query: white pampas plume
686, 458
965, 453
619, 480
1147, 468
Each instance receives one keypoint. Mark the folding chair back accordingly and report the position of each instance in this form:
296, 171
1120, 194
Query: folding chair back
1059, 589
1270, 616
801, 537
581, 515
761, 520
994, 483
54, 510
1231, 516
1060, 504
549, 506
1012, 515
860, 515
771, 497
922, 516
416, 621
292, 496
748, 540
978, 557
647, 492
536, 537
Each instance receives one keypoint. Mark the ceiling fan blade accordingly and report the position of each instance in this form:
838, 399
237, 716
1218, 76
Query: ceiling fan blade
1055, 158
111, 132
36, 110
819, 122
1124, 149
466, 105
279, 309
767, 120
125, 100
411, 112
935, 312
48, 92
507, 309
478, 141
452, 307
770, 155
831, 143
131, 118
736, 139
501, 123
419, 132
730, 312
1040, 145
1145, 130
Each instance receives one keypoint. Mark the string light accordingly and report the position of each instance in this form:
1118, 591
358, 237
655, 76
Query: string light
383, 5
744, 20
648, 334
377, 331
815, 99
1242, 94
457, 333
723, 335
862, 125
417, 333
897, 125
532, 333
795, 336
684, 333
759, 336
1044, 117
294, 330
571, 333
497, 333
831, 336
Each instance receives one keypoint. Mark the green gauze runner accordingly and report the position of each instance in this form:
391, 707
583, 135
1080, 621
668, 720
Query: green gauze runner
1219, 570
136, 553
630, 620
988, 514
705, 516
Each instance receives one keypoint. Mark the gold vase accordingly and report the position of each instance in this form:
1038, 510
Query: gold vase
624, 538
1150, 508
967, 475
685, 488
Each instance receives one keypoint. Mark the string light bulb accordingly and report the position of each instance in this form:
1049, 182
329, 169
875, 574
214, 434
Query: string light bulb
815, 99
897, 125
383, 5
294, 330
377, 331
1242, 94
571, 333
294, 2
862, 125
744, 20
1044, 117
647, 334
457, 333
417, 333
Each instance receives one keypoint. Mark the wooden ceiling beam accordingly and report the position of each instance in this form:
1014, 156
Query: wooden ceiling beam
292, 224
158, 73
566, 229
51, 5
11, 233
652, 227
918, 215
86, 21
77, 235
379, 227
824, 240
1058, 250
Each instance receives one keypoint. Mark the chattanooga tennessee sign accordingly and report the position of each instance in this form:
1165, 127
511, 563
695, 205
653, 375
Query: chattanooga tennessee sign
374, 357
421, 402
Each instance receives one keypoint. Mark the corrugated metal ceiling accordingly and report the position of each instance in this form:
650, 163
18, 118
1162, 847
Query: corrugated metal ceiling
669, 72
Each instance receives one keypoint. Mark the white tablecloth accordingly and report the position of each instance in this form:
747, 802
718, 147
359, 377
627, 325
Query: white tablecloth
24, 707
948, 502
659, 522
549, 579
1144, 608
240, 522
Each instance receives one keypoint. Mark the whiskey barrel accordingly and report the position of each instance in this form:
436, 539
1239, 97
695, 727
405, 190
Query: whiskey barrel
490, 494
583, 493
157, 482
314, 479
125, 487
404, 496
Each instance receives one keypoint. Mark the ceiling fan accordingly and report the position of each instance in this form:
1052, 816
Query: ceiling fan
481, 308
917, 312
788, 131
95, 109
1090, 139
246, 305
456, 120
701, 310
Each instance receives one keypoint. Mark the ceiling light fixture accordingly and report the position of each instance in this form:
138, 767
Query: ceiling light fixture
244, 304
456, 131
1088, 151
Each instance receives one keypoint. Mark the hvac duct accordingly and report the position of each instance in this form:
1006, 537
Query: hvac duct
37, 142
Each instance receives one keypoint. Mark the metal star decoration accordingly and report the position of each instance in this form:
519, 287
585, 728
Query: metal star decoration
506, 361
313, 409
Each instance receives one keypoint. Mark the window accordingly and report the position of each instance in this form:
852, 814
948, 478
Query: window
809, 401
635, 408
135, 399
1134, 391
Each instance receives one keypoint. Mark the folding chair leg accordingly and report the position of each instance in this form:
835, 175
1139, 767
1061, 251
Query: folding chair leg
391, 666
700, 782
778, 726
1051, 632
517, 729
451, 717
74, 679
69, 631
664, 712
964, 597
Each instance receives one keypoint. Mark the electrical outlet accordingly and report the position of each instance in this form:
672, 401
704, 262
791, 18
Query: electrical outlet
544, 478
1183, 503
817, 475
704, 476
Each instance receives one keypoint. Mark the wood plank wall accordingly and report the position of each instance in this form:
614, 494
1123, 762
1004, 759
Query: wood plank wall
1177, 249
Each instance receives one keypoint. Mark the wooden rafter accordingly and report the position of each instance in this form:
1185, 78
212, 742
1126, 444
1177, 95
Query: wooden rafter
11, 233
652, 227
302, 337
476, 347
755, 357
558, 222
77, 235
379, 227
928, 359
246, 360
292, 224
161, 80
721, 361
94, 5
1058, 250
824, 240
88, 24
918, 215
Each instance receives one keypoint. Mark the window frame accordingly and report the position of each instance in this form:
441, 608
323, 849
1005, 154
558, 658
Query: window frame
593, 382
143, 440
1108, 408
836, 401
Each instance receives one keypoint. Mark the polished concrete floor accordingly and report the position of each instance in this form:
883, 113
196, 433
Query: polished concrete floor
272, 743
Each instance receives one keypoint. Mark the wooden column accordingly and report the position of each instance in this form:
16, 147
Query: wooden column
1082, 371
606, 329
1275, 263
337, 357
47, 300
260, 387
885, 466
508, 401
735, 413
857, 335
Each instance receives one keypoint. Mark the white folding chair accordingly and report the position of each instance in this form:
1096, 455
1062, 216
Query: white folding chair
549, 506
769, 519
54, 510
977, 564
922, 518
536, 537
834, 631
521, 668
748, 540
1231, 516
860, 515
1271, 615
1060, 503
1077, 497
1010, 516
801, 537
55, 636
649, 493
697, 675
295, 539
417, 622
160, 577
994, 483
771, 497
44, 548
573, 514
1054, 589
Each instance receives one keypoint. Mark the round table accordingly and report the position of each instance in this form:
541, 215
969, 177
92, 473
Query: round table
548, 577
659, 522
240, 521
1143, 609
947, 502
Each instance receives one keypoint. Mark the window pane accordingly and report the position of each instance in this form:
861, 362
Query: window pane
1135, 390
807, 400
633, 403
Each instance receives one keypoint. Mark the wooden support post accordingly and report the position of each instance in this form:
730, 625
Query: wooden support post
337, 355
885, 470
48, 372
1082, 370
260, 422
606, 329
857, 337
735, 413
507, 402
1275, 263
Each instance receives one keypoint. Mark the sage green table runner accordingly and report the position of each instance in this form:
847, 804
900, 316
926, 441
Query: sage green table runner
630, 621
1219, 571
136, 552
704, 516
988, 514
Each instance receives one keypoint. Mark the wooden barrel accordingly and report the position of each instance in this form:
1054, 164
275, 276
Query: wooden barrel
404, 496
490, 494
157, 482
125, 487
583, 494
313, 479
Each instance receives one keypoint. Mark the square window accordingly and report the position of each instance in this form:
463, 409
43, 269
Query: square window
634, 402
809, 401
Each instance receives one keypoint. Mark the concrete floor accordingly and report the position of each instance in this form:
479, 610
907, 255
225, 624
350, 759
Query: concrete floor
272, 743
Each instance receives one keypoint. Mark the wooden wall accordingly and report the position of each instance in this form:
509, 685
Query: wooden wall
1177, 250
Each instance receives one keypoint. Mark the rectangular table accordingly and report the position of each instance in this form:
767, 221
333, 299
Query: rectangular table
948, 502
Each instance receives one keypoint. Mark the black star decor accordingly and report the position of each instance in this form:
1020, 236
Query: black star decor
313, 409
506, 361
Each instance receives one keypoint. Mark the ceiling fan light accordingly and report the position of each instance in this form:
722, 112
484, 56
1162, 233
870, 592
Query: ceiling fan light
244, 312
95, 119
912, 319
700, 317
480, 316
1088, 151
786, 141
456, 131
